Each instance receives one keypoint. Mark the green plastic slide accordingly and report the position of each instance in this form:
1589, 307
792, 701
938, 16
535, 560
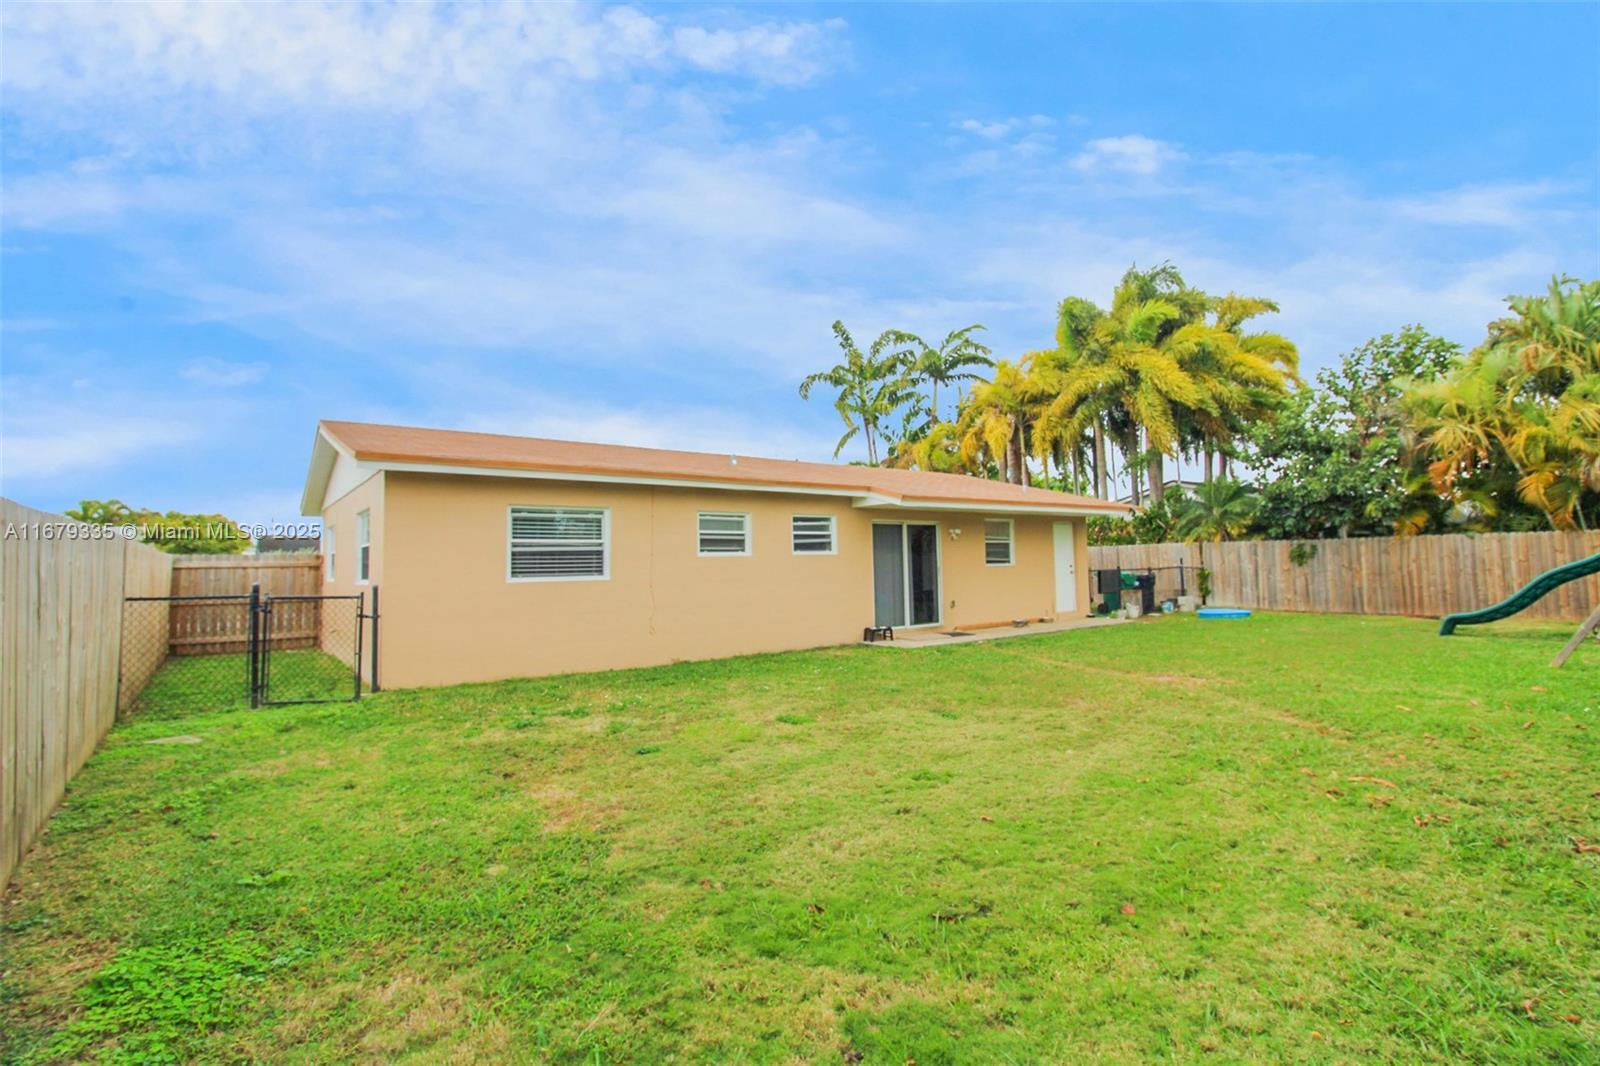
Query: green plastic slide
1525, 597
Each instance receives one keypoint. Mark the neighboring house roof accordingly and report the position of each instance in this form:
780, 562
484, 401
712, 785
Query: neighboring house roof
287, 544
1167, 485
377, 447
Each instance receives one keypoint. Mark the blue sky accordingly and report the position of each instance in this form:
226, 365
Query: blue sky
635, 224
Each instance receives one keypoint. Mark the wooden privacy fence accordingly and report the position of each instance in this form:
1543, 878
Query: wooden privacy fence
1419, 576
68, 643
197, 629
60, 631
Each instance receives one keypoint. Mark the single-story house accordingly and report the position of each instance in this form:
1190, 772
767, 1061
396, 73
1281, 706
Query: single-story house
503, 556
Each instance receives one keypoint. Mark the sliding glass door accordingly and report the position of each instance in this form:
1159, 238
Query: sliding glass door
888, 575
905, 574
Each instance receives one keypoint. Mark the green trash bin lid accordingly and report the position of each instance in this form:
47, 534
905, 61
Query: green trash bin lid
1130, 580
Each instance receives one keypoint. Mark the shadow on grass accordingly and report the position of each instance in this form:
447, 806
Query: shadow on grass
1553, 633
197, 684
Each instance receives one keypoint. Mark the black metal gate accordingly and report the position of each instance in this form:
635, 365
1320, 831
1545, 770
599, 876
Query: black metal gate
298, 646
188, 654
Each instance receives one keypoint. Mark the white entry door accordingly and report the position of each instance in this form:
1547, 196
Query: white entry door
1066, 569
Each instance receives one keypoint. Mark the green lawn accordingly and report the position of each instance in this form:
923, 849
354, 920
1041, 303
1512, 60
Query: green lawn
1294, 838
189, 684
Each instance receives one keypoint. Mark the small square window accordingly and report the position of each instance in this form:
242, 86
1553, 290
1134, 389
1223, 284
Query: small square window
724, 533
813, 534
997, 541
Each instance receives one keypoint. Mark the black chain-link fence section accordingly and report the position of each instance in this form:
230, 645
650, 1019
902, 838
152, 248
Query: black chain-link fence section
1109, 589
185, 655
311, 648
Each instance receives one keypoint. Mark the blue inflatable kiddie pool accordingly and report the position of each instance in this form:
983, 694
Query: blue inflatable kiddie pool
1222, 612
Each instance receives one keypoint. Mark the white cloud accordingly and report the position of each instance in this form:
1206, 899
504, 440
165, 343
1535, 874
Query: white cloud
31, 324
684, 427
56, 440
998, 129
1130, 154
89, 198
221, 373
517, 203
457, 202
784, 53
390, 58
1506, 205
741, 199
275, 508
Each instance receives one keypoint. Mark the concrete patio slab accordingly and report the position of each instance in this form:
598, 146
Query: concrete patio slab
910, 639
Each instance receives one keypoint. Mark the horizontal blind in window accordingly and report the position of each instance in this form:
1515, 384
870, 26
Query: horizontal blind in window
556, 542
812, 533
724, 533
996, 542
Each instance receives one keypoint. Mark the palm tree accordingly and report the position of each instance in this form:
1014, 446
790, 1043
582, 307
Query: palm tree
872, 387
1526, 400
1078, 333
1167, 367
1219, 510
936, 448
913, 427
993, 422
102, 512
1120, 367
1556, 337
951, 362
1245, 376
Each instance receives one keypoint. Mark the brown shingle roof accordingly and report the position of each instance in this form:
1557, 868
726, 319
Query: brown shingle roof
405, 444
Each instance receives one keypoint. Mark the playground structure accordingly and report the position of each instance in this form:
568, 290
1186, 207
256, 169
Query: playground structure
1530, 594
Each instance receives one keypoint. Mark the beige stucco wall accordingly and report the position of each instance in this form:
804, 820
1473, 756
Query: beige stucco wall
450, 614
338, 637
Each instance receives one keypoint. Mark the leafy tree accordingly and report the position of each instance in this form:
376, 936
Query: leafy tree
871, 386
1524, 405
1220, 509
102, 513
1155, 523
1334, 459
1107, 531
172, 531
953, 360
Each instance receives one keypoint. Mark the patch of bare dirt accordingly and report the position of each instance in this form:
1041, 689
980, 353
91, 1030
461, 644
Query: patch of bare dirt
567, 809
1319, 728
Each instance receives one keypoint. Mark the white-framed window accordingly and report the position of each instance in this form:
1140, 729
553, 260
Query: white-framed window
328, 545
723, 533
363, 546
559, 544
997, 538
813, 534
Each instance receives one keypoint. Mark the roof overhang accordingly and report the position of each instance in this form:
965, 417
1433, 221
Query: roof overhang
327, 450
876, 502
323, 456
